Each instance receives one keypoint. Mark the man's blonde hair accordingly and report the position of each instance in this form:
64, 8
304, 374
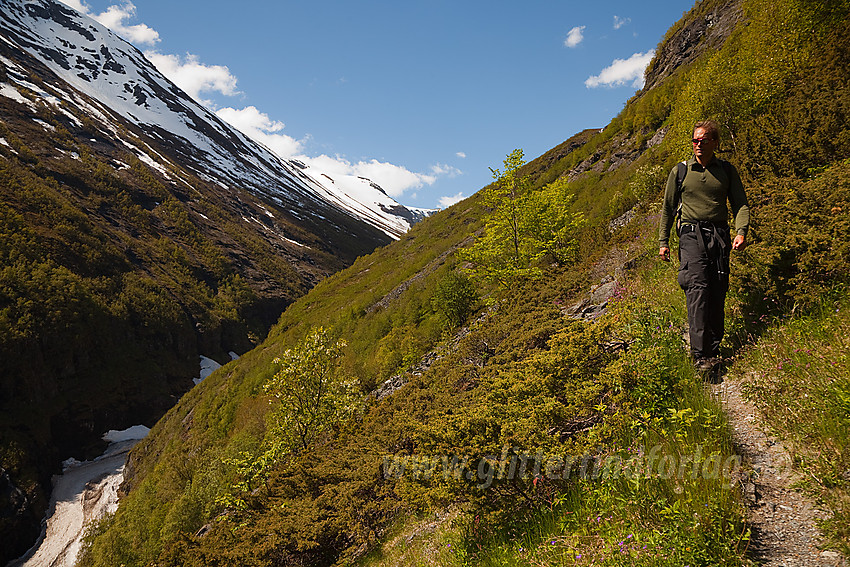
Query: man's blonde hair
711, 128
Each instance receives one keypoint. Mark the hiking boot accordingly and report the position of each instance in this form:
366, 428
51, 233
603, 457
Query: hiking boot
705, 364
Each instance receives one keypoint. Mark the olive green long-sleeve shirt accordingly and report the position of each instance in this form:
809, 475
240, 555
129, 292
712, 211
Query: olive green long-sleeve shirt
705, 191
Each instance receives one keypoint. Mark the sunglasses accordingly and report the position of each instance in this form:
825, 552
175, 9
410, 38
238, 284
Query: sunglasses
701, 140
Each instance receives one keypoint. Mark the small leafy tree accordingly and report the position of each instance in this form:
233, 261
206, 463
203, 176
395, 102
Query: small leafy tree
312, 397
500, 254
551, 224
522, 227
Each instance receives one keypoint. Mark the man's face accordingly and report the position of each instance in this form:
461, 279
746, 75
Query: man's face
706, 146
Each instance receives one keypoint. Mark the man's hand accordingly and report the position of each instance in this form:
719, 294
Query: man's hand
739, 243
664, 252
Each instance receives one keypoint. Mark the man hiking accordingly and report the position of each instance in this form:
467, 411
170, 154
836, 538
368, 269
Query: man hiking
695, 198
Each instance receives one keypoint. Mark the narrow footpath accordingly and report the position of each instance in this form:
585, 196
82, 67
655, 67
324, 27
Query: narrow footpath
782, 519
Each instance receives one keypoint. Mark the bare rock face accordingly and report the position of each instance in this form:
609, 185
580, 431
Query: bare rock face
698, 35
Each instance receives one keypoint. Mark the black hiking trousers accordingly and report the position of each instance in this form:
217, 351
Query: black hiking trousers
704, 277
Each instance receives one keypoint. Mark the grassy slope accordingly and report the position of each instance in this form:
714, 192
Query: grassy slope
525, 376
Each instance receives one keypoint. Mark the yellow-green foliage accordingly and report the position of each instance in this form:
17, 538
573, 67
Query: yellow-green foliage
754, 70
311, 395
455, 298
522, 226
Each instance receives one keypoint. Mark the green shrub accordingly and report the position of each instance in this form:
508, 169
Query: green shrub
455, 298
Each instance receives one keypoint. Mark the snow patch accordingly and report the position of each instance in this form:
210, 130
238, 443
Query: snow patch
84, 493
148, 160
10, 91
208, 366
134, 433
294, 242
71, 154
124, 83
45, 125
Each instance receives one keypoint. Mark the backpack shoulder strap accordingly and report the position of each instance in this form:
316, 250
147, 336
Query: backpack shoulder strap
727, 168
681, 172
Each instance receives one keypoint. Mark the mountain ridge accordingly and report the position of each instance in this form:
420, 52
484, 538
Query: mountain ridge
119, 76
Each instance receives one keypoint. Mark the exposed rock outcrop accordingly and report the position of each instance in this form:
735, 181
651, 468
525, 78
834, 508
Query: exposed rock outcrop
708, 30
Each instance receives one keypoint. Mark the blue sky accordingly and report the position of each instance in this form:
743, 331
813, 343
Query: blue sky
422, 97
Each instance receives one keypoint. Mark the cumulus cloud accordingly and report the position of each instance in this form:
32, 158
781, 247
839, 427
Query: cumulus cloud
115, 19
448, 201
260, 127
622, 72
394, 179
574, 36
188, 73
193, 76
76, 5
620, 22
196, 78
461, 155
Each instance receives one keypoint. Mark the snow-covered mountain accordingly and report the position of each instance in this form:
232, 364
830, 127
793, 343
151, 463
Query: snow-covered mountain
118, 81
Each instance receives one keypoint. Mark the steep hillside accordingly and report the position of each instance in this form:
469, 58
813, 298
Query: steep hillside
548, 414
137, 232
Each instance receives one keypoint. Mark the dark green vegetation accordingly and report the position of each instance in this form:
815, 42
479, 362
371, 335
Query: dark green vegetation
114, 277
433, 473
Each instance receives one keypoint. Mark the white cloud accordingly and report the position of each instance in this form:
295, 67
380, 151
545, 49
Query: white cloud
76, 5
394, 179
189, 74
620, 22
575, 36
447, 201
193, 76
196, 78
447, 170
622, 71
260, 127
461, 155
114, 18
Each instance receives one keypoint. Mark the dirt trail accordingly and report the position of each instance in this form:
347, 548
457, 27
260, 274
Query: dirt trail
783, 520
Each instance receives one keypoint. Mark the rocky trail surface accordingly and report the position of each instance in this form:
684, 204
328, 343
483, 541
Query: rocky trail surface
783, 520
